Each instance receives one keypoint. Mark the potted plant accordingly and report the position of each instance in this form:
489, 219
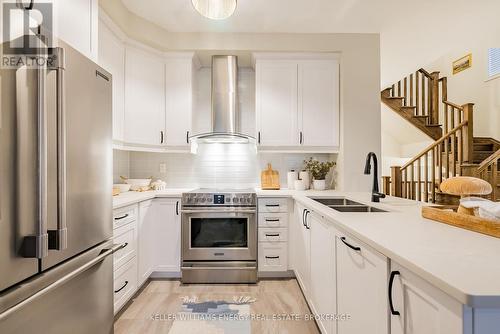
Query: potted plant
318, 171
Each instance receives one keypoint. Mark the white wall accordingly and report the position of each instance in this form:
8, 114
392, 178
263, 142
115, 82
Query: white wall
359, 70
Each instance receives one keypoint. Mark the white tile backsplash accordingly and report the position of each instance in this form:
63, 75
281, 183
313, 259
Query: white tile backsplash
214, 166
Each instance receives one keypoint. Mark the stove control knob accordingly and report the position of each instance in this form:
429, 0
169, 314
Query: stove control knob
210, 200
236, 200
203, 199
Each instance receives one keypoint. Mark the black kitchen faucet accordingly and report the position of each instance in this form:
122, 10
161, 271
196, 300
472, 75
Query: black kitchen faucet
376, 195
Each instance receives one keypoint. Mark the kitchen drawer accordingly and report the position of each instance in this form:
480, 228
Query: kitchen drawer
273, 205
126, 234
273, 234
273, 219
273, 256
124, 283
125, 215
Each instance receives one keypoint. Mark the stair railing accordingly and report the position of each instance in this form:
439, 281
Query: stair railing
439, 161
420, 90
488, 170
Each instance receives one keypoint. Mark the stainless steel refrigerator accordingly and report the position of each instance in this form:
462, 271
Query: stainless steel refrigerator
56, 272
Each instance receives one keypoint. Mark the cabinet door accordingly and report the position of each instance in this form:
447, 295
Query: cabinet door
422, 307
323, 280
276, 103
144, 97
178, 100
302, 250
361, 288
145, 234
167, 235
112, 58
77, 22
318, 102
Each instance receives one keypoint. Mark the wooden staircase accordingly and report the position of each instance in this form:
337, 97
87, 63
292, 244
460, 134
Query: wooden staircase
421, 99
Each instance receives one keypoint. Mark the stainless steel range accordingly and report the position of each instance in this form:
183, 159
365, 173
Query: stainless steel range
219, 236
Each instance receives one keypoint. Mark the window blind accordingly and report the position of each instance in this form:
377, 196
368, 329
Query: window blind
493, 62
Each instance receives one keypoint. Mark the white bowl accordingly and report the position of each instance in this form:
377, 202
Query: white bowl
123, 187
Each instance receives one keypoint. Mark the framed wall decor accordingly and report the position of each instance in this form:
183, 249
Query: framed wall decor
462, 64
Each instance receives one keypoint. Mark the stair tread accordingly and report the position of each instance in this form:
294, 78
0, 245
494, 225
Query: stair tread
433, 125
395, 97
420, 116
408, 107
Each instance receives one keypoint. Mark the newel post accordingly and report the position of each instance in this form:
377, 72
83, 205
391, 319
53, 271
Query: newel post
434, 98
469, 132
396, 185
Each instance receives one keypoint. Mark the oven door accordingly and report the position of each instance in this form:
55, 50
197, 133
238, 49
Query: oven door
219, 236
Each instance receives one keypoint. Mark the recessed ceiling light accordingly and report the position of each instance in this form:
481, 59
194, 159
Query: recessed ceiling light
215, 9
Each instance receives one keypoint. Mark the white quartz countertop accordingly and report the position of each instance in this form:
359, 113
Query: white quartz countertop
462, 263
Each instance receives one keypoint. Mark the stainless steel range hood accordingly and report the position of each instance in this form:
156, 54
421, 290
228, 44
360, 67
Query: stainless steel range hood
225, 127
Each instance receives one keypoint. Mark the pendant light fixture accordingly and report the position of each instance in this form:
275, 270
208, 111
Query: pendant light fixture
215, 9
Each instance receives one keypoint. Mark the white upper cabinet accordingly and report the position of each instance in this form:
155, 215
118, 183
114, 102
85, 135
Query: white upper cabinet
361, 288
144, 97
178, 98
423, 308
276, 103
297, 100
318, 102
77, 24
112, 58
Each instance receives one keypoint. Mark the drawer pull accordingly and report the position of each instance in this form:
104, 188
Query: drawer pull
125, 245
273, 235
391, 282
272, 257
272, 220
272, 205
123, 287
122, 217
357, 249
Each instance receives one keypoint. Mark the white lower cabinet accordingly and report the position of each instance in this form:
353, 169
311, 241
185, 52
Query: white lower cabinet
361, 287
302, 248
323, 280
146, 236
423, 308
125, 259
124, 283
166, 239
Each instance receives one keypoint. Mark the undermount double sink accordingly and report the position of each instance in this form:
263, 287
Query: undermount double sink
342, 204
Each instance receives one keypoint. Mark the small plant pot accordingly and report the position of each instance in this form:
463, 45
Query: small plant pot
319, 184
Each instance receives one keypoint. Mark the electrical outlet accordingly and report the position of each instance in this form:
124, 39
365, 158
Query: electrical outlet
163, 168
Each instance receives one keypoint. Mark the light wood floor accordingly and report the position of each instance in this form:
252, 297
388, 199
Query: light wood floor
165, 297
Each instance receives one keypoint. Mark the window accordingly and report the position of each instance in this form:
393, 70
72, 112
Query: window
493, 62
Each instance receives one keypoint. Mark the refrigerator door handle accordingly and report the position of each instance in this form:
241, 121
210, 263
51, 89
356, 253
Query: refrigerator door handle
58, 239
105, 253
36, 246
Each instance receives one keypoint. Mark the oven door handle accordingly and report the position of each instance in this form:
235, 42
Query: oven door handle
219, 211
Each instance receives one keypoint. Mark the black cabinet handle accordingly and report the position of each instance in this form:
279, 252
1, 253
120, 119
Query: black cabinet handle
187, 137
161, 137
272, 220
272, 205
308, 226
125, 245
121, 217
357, 249
273, 235
123, 287
301, 138
177, 208
258, 137
303, 217
272, 257
391, 282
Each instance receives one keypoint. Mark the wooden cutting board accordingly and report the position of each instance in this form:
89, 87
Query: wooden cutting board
270, 179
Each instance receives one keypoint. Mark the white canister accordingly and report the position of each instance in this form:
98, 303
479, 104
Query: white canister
291, 177
304, 176
299, 185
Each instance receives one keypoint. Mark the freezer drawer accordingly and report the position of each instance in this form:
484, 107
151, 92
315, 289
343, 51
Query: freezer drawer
78, 298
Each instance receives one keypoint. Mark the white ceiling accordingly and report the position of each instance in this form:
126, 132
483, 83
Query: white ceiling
318, 16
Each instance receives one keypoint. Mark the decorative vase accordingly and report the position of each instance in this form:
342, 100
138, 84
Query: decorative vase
319, 184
